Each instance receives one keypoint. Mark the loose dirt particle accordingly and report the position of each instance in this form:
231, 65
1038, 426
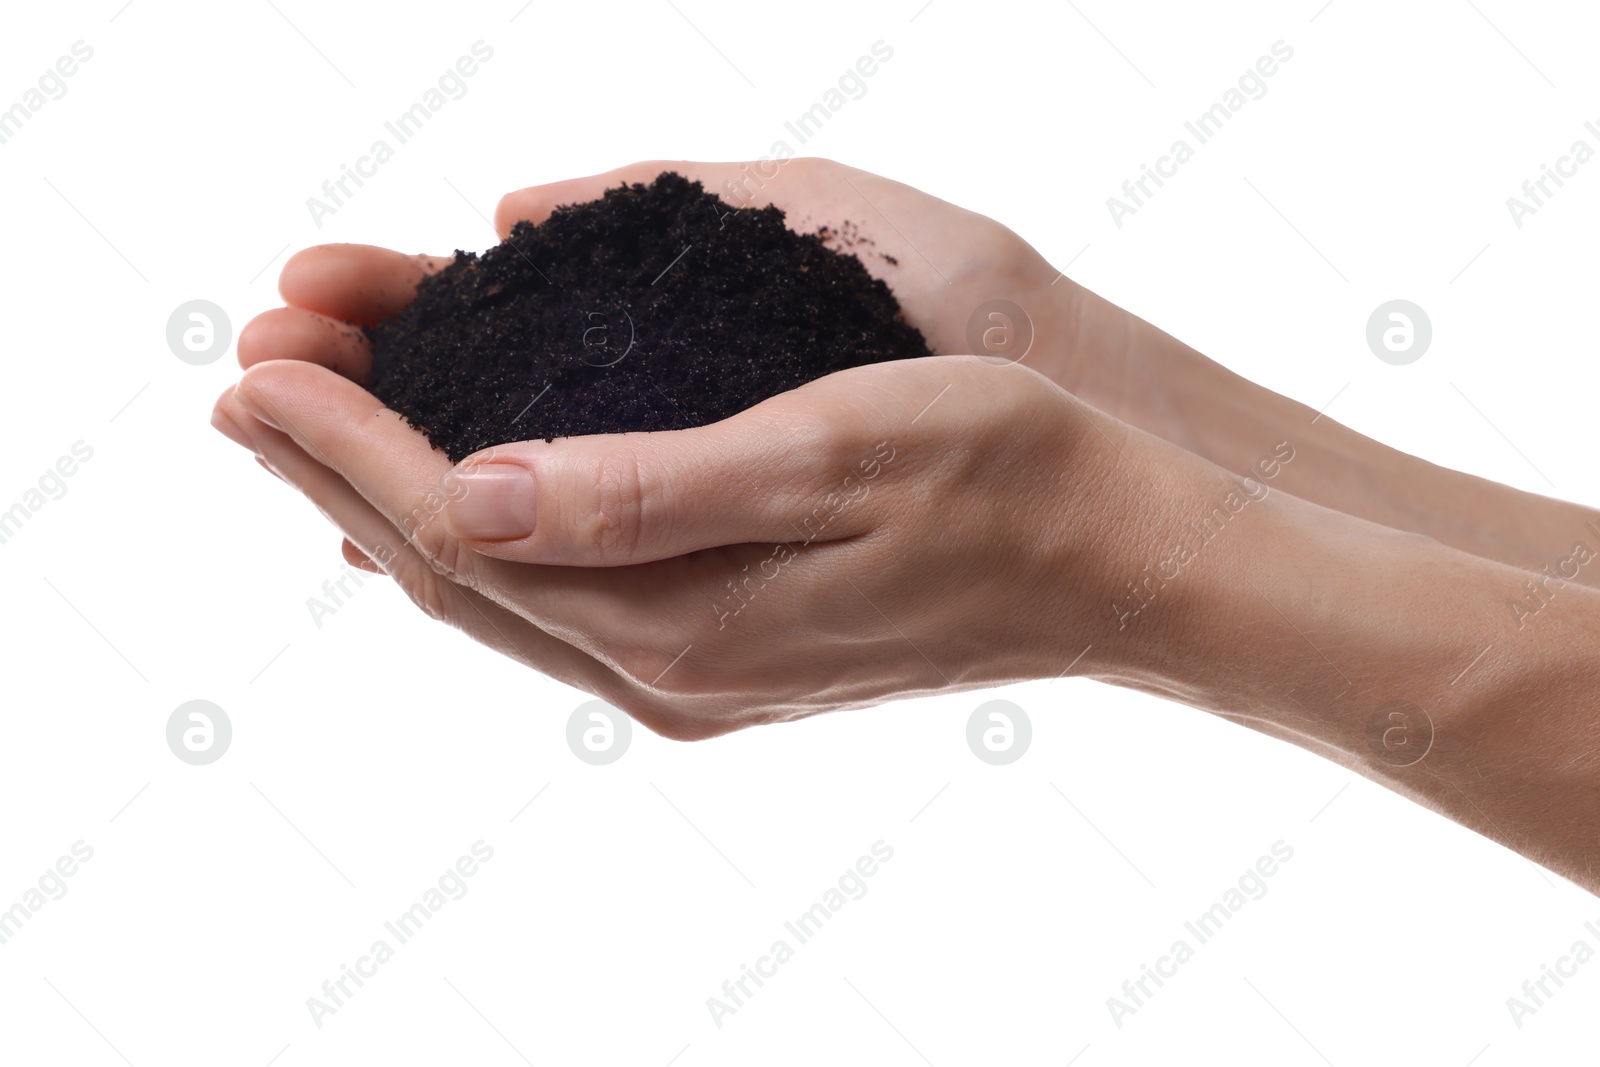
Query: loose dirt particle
656, 307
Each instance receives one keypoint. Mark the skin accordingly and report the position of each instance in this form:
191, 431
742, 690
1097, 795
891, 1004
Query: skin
958, 522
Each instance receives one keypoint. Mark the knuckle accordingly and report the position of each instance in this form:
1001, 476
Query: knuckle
424, 528
670, 719
810, 166
446, 555
664, 670
679, 727
639, 665
682, 680
423, 525
431, 592
615, 526
1004, 245
831, 444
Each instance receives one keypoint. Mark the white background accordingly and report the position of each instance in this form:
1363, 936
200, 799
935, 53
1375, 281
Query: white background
370, 753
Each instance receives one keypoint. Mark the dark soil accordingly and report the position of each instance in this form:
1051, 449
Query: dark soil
656, 307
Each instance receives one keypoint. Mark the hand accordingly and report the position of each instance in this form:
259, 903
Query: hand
884, 531
942, 261
333, 289
689, 577
1004, 532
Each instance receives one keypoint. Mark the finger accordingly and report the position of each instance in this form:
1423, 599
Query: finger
377, 538
363, 284
389, 463
794, 469
295, 333
535, 203
615, 614
348, 430
357, 558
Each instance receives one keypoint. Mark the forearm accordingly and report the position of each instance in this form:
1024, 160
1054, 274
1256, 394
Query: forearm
1130, 369
1395, 656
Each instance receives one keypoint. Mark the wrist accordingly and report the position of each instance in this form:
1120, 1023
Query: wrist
1147, 378
1397, 657
1313, 621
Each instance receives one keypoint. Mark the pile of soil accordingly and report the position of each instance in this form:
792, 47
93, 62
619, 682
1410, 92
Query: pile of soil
656, 307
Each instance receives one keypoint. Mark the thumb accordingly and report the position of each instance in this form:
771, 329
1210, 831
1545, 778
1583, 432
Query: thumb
617, 499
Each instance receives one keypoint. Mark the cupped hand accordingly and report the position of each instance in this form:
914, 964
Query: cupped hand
902, 528
946, 265
896, 529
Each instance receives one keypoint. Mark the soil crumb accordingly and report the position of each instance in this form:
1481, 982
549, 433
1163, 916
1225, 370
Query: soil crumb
656, 307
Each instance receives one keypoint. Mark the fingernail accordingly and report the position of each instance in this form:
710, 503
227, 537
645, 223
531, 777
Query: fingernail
491, 502
225, 425
255, 409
